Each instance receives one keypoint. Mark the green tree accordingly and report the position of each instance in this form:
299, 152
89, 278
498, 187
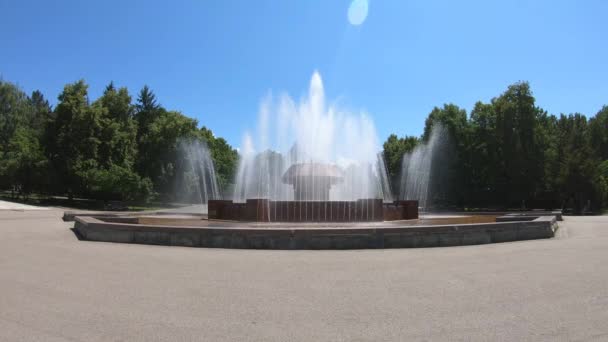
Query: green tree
42, 112
393, 150
579, 178
449, 182
508, 152
24, 163
160, 154
225, 158
118, 136
14, 111
115, 183
95, 143
76, 130
147, 110
598, 126
22, 119
520, 154
112, 176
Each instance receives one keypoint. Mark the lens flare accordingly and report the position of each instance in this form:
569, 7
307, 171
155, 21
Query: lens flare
357, 12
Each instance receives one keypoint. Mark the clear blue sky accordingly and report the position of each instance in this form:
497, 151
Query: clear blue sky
215, 60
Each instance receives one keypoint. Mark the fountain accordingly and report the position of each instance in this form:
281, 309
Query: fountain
416, 177
198, 180
310, 132
310, 162
312, 181
318, 182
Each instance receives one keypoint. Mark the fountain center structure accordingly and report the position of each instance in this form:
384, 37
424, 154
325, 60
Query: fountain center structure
312, 181
311, 161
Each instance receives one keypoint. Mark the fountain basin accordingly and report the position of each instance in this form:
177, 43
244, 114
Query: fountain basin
363, 235
264, 210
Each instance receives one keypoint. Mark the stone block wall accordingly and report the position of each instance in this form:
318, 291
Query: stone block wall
264, 210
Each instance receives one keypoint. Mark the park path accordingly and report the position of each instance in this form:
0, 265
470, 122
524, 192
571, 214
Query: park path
54, 287
5, 205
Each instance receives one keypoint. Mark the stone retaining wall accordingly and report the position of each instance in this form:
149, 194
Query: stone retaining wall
264, 210
94, 229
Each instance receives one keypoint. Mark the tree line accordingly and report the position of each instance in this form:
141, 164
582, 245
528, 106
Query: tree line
511, 153
112, 148
507, 153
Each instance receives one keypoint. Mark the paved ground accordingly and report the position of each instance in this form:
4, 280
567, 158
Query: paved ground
187, 209
56, 288
5, 205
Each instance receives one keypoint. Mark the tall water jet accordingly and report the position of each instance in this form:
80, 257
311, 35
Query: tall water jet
417, 167
384, 182
198, 178
332, 154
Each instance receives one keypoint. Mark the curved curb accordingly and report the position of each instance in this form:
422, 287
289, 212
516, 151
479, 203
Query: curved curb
93, 229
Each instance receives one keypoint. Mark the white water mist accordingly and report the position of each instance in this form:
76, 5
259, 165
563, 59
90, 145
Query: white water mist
310, 131
417, 166
198, 181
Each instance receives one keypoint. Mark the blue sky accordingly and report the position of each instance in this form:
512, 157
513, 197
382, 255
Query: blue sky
216, 60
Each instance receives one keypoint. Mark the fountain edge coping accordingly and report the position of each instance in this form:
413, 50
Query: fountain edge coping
94, 229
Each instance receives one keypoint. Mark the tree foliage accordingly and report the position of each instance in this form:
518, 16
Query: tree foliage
23, 122
394, 149
505, 153
225, 158
109, 149
511, 153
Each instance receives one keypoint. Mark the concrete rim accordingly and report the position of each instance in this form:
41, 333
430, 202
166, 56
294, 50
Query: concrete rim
510, 228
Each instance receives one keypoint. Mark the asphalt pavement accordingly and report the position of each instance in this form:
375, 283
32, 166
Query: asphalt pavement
54, 287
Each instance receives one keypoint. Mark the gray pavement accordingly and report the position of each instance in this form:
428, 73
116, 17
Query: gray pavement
6, 205
56, 288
